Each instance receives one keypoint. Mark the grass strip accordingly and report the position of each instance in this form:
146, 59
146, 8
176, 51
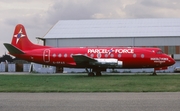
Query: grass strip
83, 83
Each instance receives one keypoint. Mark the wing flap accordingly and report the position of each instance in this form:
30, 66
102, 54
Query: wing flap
12, 49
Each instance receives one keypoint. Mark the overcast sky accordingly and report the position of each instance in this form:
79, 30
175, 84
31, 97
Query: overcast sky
38, 16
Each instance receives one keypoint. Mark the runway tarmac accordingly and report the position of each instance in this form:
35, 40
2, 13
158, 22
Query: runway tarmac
158, 101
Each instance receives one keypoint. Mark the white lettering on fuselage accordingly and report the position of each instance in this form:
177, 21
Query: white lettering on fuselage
159, 60
128, 51
124, 51
97, 51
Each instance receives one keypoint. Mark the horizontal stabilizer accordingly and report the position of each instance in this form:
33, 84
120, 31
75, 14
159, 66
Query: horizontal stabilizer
12, 49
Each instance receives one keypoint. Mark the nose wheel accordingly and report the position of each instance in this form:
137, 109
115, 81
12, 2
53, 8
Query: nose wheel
154, 73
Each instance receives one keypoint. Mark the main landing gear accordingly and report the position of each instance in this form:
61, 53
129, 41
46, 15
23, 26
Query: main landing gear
93, 72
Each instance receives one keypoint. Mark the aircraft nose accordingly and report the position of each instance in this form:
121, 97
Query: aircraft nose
171, 61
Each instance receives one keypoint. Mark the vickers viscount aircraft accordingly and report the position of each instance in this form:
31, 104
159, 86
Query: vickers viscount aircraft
93, 59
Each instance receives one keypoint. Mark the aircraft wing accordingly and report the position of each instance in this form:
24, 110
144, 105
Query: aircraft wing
82, 59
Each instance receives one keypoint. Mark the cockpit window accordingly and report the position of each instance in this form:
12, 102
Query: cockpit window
159, 52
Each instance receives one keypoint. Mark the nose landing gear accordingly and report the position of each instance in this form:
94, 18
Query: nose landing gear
154, 73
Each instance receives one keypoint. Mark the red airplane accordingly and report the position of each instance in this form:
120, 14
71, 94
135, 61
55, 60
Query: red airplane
93, 59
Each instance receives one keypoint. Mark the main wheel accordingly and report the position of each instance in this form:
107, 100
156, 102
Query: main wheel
98, 73
91, 74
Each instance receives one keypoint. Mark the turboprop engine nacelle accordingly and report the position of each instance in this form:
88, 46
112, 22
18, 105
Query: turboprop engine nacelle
108, 62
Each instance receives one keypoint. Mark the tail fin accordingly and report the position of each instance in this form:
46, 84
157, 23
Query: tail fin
21, 41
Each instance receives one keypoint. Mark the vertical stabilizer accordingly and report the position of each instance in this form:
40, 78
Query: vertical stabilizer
21, 41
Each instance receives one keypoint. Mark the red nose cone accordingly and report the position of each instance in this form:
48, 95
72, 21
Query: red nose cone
171, 61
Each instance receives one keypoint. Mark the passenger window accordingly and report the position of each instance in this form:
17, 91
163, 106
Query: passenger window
134, 55
119, 55
112, 55
59, 55
54, 55
142, 55
99, 55
92, 55
65, 55
106, 55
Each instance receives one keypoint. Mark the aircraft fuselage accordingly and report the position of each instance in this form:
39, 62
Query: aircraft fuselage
130, 57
